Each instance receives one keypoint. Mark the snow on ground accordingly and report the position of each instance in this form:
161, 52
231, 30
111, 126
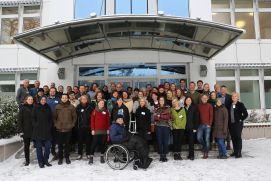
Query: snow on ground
255, 165
10, 140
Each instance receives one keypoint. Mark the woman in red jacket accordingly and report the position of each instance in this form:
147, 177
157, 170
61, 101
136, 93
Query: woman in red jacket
99, 129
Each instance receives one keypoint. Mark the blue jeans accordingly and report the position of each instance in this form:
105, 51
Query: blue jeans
221, 146
162, 133
43, 156
203, 136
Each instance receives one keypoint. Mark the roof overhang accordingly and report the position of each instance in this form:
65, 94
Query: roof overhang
63, 41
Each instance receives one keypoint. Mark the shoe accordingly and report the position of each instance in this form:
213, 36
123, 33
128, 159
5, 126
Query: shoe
233, 154
60, 161
68, 161
102, 159
161, 158
176, 156
238, 155
48, 164
191, 157
90, 160
79, 157
41, 166
224, 157
165, 159
205, 155
26, 163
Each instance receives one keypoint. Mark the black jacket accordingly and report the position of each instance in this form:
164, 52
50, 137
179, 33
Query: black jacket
25, 121
192, 118
42, 122
84, 115
143, 119
240, 113
122, 110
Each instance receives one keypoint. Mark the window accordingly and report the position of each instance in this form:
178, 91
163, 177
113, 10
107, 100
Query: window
246, 21
172, 70
249, 72
229, 84
265, 24
9, 10
91, 71
139, 6
7, 77
264, 3
29, 76
225, 73
222, 17
31, 9
7, 90
132, 70
174, 7
176, 81
31, 23
267, 91
250, 93
267, 72
9, 28
243, 3
221, 4
123, 6
83, 8
90, 82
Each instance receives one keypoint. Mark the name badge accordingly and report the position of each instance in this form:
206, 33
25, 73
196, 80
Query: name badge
120, 112
143, 113
104, 112
56, 101
27, 92
233, 106
181, 116
82, 110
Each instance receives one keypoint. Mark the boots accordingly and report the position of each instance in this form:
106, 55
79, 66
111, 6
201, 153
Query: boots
163, 158
90, 162
27, 162
205, 155
177, 156
60, 161
102, 159
68, 161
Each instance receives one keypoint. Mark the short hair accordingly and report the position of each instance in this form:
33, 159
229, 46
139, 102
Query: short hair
234, 92
75, 86
199, 81
188, 97
99, 92
223, 86
65, 95
136, 89
71, 92
53, 88
182, 80
192, 82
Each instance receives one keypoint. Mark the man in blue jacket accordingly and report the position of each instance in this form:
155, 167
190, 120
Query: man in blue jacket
119, 135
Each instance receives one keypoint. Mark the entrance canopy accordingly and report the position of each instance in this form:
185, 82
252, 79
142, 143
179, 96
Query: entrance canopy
63, 41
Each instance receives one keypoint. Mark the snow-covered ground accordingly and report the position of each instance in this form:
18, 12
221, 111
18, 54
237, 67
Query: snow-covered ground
255, 165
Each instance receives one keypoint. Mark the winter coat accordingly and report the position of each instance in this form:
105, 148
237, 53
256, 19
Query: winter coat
52, 102
178, 118
84, 115
162, 117
192, 116
129, 104
206, 113
122, 110
25, 120
195, 97
22, 92
65, 117
42, 122
118, 133
100, 122
220, 127
143, 119
240, 112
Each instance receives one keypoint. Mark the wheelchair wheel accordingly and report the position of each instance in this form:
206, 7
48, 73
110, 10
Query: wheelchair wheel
117, 157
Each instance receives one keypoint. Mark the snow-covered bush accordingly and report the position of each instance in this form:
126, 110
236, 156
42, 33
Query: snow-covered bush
258, 117
8, 118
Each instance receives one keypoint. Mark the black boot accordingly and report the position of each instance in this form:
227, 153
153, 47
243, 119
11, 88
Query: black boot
68, 161
48, 164
233, 154
90, 160
27, 162
161, 158
176, 156
60, 161
102, 159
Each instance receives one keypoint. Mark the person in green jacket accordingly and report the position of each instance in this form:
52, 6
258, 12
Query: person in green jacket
178, 124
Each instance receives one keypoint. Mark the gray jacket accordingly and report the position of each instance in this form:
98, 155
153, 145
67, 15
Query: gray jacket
21, 94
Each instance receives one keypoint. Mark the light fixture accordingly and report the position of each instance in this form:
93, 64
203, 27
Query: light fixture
240, 24
93, 15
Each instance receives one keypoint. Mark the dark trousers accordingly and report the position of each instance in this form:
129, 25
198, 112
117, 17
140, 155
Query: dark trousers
162, 133
98, 140
191, 140
63, 140
43, 156
54, 138
143, 134
178, 135
236, 136
27, 142
84, 137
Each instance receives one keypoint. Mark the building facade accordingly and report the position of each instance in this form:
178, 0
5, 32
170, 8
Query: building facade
244, 66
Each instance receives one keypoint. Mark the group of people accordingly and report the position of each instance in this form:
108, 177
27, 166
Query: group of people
166, 117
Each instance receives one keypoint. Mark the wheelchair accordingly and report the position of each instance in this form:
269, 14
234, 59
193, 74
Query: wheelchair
118, 157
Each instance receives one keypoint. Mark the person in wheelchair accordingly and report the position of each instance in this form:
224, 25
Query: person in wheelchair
119, 135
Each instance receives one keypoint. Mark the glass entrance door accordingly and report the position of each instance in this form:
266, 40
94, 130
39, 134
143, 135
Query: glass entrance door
134, 83
125, 83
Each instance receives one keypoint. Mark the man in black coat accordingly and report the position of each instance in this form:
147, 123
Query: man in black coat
143, 122
82, 126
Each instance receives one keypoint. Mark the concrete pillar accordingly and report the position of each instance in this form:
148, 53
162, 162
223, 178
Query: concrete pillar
110, 7
152, 7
